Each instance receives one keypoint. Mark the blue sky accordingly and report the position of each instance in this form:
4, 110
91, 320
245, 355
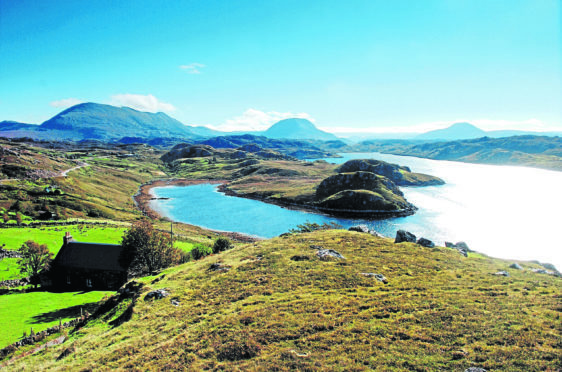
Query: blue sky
348, 65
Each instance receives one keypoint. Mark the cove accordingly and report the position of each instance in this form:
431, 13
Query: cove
502, 211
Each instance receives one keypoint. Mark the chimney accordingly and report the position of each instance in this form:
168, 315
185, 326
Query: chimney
67, 238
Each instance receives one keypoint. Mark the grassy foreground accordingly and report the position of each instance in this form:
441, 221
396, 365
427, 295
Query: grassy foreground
19, 312
280, 307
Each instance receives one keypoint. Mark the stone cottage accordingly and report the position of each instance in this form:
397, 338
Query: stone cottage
80, 265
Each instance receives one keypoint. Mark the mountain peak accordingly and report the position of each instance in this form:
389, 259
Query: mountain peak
456, 131
297, 128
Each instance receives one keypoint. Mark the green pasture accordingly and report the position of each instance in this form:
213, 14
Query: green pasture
19, 312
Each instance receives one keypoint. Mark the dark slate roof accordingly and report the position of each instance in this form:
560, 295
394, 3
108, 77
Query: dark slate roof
93, 256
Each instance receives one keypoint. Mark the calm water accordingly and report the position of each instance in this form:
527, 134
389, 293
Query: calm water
503, 211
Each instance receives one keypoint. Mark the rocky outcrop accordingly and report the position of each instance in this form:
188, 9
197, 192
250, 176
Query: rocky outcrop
354, 181
502, 273
381, 278
356, 201
404, 236
365, 229
156, 294
462, 247
515, 266
426, 243
400, 175
183, 151
390, 171
326, 254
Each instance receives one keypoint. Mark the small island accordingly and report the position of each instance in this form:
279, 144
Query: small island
365, 188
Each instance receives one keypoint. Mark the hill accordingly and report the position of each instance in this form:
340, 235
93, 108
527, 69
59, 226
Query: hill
277, 305
533, 151
454, 132
8, 125
297, 129
87, 121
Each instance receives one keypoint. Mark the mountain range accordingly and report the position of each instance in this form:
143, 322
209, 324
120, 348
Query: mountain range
94, 121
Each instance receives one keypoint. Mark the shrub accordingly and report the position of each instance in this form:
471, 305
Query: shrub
200, 251
222, 244
313, 226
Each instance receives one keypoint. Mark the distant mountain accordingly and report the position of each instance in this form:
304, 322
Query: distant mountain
106, 122
454, 132
14, 125
297, 129
94, 121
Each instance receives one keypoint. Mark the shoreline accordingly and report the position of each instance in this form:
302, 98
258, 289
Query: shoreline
144, 195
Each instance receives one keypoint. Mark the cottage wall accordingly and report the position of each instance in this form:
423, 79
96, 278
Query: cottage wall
74, 278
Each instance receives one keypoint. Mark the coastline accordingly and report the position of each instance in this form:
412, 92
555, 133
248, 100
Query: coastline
144, 195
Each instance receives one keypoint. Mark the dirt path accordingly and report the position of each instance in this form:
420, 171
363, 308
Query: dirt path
80, 165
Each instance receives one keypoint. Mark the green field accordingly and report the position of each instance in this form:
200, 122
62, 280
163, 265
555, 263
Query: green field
19, 312
9, 269
52, 236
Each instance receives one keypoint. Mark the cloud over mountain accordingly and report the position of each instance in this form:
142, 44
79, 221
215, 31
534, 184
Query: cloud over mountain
257, 120
147, 103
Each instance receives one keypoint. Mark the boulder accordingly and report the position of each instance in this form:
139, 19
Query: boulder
326, 254
404, 236
219, 267
515, 266
475, 369
379, 277
502, 273
360, 228
543, 271
461, 247
156, 294
426, 243
175, 302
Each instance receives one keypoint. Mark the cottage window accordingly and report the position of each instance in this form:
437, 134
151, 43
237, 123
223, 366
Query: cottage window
68, 279
89, 283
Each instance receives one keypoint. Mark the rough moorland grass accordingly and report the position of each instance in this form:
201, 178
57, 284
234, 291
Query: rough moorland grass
280, 307
19, 312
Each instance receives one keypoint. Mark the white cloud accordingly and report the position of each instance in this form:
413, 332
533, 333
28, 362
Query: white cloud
65, 102
193, 68
254, 120
141, 102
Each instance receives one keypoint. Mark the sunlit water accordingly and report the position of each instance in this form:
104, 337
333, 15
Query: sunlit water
503, 211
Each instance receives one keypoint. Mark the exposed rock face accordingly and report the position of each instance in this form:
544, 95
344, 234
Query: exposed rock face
354, 181
515, 266
404, 236
186, 151
426, 243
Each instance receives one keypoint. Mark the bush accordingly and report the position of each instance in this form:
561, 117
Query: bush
222, 244
200, 251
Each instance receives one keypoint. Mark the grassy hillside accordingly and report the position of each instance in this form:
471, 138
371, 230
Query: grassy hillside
280, 307
531, 151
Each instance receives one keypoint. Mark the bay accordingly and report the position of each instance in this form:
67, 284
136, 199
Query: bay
503, 211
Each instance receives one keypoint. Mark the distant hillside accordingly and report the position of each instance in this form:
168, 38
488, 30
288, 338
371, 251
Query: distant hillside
108, 123
302, 149
297, 129
14, 125
454, 132
534, 151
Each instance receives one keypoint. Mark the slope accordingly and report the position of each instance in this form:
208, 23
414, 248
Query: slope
280, 307
297, 129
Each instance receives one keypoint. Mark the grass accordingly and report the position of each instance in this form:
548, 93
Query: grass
272, 311
19, 312
52, 236
9, 269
